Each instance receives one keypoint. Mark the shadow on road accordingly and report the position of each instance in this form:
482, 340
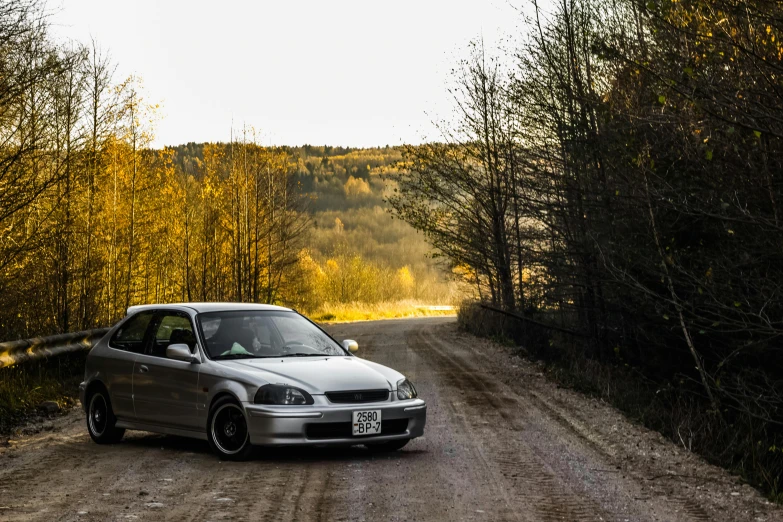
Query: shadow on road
338, 454
270, 454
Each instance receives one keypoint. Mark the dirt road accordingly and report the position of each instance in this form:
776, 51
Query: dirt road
501, 443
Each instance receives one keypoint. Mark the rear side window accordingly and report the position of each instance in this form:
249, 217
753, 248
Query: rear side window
130, 336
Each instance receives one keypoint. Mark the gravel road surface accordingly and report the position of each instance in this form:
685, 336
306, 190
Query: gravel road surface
502, 443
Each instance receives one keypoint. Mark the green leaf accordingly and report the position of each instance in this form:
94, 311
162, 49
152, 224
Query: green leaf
665, 316
708, 155
737, 304
688, 71
757, 133
661, 99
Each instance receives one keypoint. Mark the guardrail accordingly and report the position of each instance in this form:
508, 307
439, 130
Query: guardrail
15, 352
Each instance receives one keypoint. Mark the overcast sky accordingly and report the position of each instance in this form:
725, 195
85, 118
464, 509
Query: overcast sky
355, 73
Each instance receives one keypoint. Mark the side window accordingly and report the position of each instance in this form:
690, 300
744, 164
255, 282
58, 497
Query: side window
130, 336
172, 328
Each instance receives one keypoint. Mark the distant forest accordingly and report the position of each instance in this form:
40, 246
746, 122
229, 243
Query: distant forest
345, 190
350, 228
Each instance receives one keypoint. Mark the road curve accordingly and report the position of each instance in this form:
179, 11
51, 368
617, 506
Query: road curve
501, 443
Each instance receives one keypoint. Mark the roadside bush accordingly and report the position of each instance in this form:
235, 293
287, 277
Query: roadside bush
504, 329
23, 387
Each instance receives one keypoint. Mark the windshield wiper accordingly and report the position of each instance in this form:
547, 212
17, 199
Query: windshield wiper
304, 355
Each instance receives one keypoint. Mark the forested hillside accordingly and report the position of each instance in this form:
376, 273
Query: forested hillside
615, 183
345, 191
353, 246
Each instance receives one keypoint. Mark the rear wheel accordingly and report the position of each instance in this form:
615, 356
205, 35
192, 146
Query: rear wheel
101, 420
392, 445
227, 430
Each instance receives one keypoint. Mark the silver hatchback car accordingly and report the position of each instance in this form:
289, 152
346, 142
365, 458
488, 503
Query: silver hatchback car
243, 375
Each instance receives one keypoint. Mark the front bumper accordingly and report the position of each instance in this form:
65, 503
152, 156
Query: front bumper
287, 425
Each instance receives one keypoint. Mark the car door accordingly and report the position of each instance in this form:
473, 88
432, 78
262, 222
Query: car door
165, 390
125, 345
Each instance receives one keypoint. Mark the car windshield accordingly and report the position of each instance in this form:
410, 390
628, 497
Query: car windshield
254, 334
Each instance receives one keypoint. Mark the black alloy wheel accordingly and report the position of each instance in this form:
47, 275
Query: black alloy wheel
228, 432
101, 420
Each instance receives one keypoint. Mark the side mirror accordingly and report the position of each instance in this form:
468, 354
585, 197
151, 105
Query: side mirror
181, 352
351, 345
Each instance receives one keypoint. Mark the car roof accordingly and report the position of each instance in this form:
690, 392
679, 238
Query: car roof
207, 307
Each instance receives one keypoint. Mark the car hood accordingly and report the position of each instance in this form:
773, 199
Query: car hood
318, 375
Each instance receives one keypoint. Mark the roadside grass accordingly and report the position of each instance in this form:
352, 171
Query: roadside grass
348, 312
25, 386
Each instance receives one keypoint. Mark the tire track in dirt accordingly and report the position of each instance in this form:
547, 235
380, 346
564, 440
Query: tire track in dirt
523, 473
686, 505
574, 424
458, 479
305, 503
555, 504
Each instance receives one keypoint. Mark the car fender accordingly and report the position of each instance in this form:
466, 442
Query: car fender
240, 391
89, 380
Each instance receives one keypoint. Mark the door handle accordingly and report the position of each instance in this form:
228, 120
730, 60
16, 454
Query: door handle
143, 369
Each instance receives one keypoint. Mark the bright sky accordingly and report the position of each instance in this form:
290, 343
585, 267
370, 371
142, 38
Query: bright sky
337, 72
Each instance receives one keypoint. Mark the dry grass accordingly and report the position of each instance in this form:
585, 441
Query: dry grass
347, 312
25, 386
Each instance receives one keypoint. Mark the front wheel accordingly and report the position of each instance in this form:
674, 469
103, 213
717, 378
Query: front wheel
101, 420
227, 431
392, 445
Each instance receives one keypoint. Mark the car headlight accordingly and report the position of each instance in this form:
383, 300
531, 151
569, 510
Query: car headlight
282, 395
406, 390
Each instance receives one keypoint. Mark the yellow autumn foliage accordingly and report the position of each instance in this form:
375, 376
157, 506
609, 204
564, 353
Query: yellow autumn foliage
356, 187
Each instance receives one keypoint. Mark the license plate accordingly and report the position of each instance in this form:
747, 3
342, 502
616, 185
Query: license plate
367, 422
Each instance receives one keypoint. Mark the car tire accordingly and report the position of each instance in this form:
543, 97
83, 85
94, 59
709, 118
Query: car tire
101, 422
227, 430
384, 447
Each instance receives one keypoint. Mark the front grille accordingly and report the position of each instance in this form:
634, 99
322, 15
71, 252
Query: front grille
343, 430
358, 396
